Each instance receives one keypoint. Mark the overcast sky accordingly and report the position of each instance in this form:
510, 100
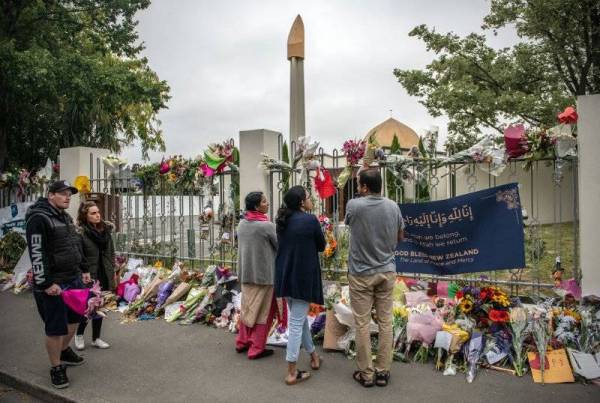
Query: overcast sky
225, 62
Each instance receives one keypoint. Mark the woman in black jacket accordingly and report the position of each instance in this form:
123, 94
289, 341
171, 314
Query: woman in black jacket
298, 274
99, 250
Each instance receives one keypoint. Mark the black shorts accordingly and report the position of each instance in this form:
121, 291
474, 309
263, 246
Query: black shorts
54, 312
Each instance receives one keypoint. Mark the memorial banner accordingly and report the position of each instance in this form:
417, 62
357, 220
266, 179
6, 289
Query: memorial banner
479, 231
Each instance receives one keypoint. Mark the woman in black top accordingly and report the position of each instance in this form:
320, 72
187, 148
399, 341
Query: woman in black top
99, 250
298, 274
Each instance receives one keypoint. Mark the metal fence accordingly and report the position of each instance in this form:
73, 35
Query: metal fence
12, 195
159, 222
163, 222
548, 190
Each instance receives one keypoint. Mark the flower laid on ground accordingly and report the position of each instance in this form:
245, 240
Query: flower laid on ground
541, 329
399, 324
519, 329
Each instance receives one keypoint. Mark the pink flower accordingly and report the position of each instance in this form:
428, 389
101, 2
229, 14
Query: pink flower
164, 167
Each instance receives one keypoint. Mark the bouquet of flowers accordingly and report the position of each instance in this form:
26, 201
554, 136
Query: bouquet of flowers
485, 151
271, 164
86, 301
541, 329
422, 326
332, 295
566, 326
113, 163
331, 243
589, 336
354, 151
193, 299
399, 324
485, 305
519, 329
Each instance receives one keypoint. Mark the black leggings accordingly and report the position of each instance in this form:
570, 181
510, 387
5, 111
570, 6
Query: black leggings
96, 326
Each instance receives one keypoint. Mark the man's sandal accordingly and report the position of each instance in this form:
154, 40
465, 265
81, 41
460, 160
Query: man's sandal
301, 376
382, 378
358, 377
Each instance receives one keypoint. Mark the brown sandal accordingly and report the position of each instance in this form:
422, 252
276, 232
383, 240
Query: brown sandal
358, 377
301, 376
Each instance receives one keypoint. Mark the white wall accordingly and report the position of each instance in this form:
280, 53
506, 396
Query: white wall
588, 138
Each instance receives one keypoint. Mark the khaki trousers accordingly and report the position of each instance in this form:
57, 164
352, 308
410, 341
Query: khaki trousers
366, 291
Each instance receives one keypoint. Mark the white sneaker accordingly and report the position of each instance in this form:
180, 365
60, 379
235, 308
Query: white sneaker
99, 343
79, 342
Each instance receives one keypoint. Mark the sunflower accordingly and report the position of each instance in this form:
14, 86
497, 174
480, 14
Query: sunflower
466, 305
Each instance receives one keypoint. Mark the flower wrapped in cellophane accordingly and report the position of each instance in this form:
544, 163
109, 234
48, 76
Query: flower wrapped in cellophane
422, 327
519, 329
541, 329
399, 324
354, 151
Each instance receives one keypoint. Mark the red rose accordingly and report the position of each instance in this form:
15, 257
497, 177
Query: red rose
483, 295
459, 295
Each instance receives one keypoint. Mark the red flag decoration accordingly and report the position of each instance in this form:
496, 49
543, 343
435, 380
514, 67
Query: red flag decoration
569, 115
324, 183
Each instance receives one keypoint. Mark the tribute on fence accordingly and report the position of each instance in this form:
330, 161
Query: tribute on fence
475, 232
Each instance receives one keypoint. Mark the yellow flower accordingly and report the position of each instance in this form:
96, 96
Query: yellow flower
466, 305
399, 311
574, 314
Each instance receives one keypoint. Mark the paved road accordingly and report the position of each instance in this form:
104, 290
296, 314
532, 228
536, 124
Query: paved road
11, 395
158, 362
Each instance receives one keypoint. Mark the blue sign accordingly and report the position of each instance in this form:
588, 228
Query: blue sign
479, 231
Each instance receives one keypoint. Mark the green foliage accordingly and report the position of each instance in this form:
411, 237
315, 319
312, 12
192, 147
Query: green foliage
71, 75
567, 31
481, 88
12, 246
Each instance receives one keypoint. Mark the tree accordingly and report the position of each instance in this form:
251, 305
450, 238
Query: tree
71, 75
394, 191
481, 89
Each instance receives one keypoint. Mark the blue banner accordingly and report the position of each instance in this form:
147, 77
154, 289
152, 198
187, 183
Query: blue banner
479, 231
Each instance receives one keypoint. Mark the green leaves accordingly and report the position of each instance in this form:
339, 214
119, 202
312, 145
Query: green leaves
481, 89
70, 75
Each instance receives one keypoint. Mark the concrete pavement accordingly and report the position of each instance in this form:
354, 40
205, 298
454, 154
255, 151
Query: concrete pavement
155, 361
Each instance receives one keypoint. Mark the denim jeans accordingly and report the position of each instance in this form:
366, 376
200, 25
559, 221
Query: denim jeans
298, 330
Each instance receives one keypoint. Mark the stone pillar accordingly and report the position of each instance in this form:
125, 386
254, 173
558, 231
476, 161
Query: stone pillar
295, 55
74, 162
252, 176
297, 119
588, 139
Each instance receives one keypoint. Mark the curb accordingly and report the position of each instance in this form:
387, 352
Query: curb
40, 392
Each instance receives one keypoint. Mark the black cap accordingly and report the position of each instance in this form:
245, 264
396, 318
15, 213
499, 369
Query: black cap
59, 186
